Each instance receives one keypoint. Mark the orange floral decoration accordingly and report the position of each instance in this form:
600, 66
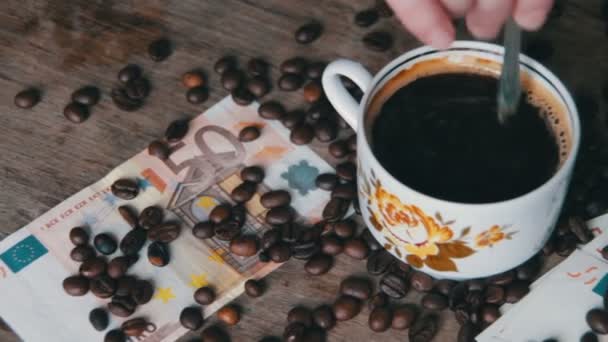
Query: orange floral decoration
489, 237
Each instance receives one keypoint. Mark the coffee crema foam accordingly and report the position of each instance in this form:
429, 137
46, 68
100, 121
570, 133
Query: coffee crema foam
552, 109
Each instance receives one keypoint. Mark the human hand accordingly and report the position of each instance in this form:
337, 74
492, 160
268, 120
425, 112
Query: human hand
431, 20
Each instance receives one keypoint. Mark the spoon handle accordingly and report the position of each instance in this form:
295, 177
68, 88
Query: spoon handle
509, 88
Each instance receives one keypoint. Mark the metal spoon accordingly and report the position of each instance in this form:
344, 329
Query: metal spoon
509, 88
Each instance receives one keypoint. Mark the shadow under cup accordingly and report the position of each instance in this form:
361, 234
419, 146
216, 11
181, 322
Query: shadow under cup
460, 240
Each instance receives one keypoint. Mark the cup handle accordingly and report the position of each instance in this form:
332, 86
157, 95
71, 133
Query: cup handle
337, 94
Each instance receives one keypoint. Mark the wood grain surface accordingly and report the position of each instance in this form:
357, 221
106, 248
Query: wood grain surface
60, 45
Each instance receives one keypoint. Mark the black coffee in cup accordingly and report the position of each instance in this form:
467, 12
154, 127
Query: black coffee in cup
440, 135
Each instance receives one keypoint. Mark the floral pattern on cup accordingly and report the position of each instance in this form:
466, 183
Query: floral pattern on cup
421, 239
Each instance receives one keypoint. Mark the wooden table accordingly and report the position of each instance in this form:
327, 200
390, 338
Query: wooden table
60, 45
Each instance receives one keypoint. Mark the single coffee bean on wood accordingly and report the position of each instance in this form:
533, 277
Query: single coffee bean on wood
231, 79
394, 285
87, 95
319, 264
160, 49
197, 95
309, 32
356, 248
357, 287
224, 64
366, 18
129, 72
192, 79
380, 319
254, 288
27, 98
424, 329
300, 314
290, 82
346, 307
403, 317
229, 314
323, 316
76, 112
378, 41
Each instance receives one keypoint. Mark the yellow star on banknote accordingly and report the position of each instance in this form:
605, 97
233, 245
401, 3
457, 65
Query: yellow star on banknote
198, 280
216, 257
206, 202
165, 294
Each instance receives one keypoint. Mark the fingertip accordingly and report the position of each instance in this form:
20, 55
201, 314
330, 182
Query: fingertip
441, 39
531, 21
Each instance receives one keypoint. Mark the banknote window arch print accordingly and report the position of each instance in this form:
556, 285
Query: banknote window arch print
424, 239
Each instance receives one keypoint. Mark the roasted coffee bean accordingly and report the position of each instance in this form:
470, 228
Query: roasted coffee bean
434, 301
315, 70
254, 288
204, 295
150, 217
305, 250
99, 319
384, 10
231, 79
128, 214
122, 306
379, 262
257, 67
123, 101
458, 295
366, 18
370, 240
317, 111
271, 110
323, 317
82, 253
294, 332
300, 314
346, 307
292, 119
290, 82
115, 335
227, 230
133, 241
142, 292
159, 149
404, 317
243, 192
489, 313
338, 149
258, 86
104, 243
239, 214
345, 229
229, 314
516, 291
475, 298
347, 171
224, 64
158, 254
394, 285
76, 285
566, 245
191, 318
134, 326
27, 98
326, 181
346, 191
275, 198
597, 319
197, 95
380, 299
589, 337
421, 282
125, 286
271, 237
579, 228
335, 209
279, 215
379, 41
164, 232
214, 334
192, 79
502, 278
138, 89
494, 294
103, 286
118, 266
302, 134
79, 236
313, 92
319, 264
325, 130
125, 189
296, 65
263, 256
159, 49
254, 174
76, 112
356, 248
220, 213
467, 332
290, 232
242, 96
380, 319
360, 288
88, 95
129, 73
424, 329
309, 32
249, 133
279, 252
530, 269
604, 252
331, 245
244, 245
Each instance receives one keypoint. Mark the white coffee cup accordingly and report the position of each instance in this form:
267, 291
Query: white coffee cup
442, 238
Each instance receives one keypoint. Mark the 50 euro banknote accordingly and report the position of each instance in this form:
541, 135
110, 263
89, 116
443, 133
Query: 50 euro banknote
201, 172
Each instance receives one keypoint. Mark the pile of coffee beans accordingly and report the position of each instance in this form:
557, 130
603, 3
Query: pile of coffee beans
82, 100
134, 88
378, 41
244, 87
